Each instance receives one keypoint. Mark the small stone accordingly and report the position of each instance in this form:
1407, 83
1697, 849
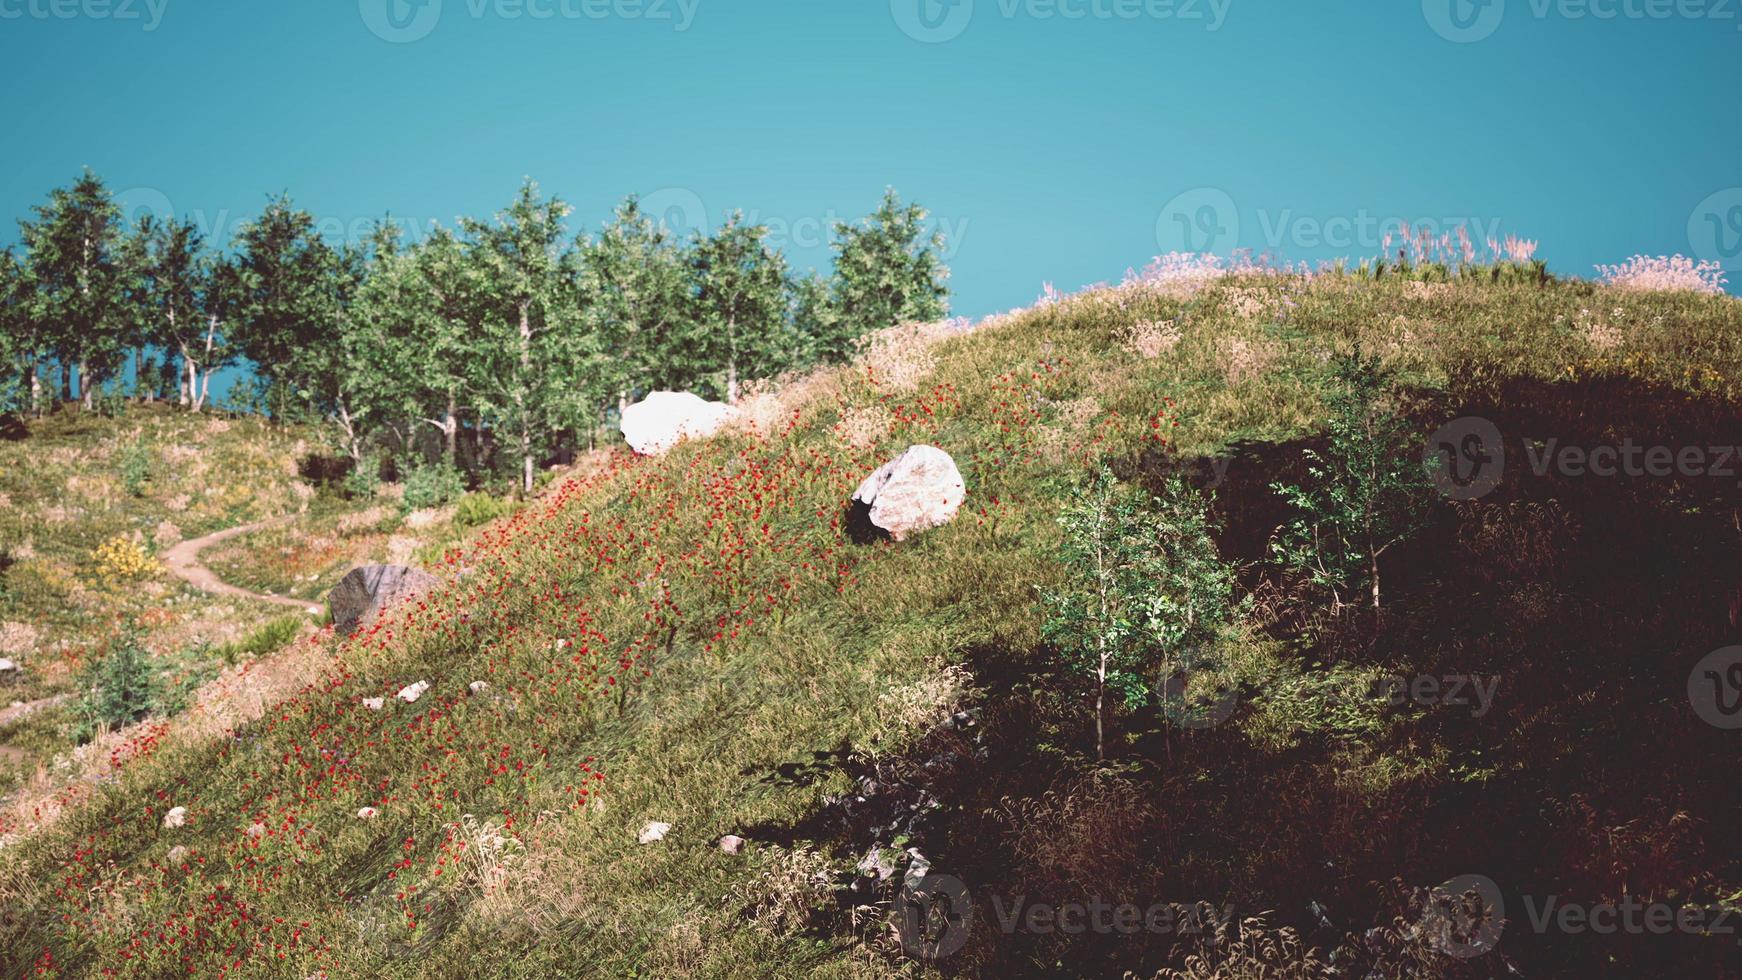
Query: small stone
374, 704
411, 692
176, 817
368, 813
478, 687
654, 831
731, 843
178, 856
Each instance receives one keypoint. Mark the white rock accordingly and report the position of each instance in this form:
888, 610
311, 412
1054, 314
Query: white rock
374, 704
7, 666
731, 843
177, 855
367, 813
257, 830
479, 687
665, 418
176, 817
916, 491
411, 692
654, 831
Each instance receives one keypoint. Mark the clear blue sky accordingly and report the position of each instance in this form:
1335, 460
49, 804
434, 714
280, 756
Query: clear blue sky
1056, 139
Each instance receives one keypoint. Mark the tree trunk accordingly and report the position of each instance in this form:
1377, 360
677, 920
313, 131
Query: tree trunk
140, 393
35, 390
522, 399
66, 382
85, 393
451, 429
732, 380
1374, 570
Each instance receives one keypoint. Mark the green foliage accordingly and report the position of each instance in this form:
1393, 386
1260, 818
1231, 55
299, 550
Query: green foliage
740, 287
1367, 493
74, 248
120, 688
364, 480
433, 485
887, 272
1146, 594
476, 509
135, 468
272, 635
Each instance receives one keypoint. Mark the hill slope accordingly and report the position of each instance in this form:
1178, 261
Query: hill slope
696, 640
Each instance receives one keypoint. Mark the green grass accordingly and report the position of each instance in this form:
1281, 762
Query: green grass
666, 567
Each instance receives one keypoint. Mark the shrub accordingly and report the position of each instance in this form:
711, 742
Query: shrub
272, 635
120, 559
1665, 273
120, 688
430, 485
480, 508
1367, 493
135, 469
364, 480
1145, 590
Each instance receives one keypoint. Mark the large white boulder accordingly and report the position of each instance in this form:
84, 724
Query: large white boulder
916, 491
660, 421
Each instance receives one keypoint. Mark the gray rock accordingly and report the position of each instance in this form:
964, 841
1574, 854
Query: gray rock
366, 591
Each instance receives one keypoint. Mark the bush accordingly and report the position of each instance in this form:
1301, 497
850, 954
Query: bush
363, 480
120, 688
1367, 493
480, 508
135, 469
1146, 592
428, 485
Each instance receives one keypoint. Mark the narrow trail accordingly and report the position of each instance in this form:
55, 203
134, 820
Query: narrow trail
183, 561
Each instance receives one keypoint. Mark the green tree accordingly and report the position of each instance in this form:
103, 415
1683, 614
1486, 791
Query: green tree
74, 257
740, 288
637, 295
120, 688
292, 317
1145, 593
172, 277
1367, 493
529, 307
887, 272
22, 345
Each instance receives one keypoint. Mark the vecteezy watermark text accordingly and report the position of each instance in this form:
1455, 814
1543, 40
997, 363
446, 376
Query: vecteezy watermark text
1466, 459
147, 13
1469, 21
404, 21
937, 21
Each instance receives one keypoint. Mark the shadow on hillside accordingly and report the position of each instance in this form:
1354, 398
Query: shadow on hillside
1586, 600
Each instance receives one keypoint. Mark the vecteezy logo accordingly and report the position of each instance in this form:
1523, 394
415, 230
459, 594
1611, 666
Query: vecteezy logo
141, 202
1715, 688
677, 210
1715, 229
1464, 917
1464, 21
933, 915
1201, 220
1465, 458
400, 21
932, 21
1188, 709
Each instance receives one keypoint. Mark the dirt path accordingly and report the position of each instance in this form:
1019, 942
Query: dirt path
184, 561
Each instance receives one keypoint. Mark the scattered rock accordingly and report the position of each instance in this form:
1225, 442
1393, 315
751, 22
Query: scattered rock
374, 704
7, 666
654, 831
256, 831
176, 817
478, 687
918, 490
411, 692
731, 843
368, 813
665, 418
366, 591
178, 855
877, 863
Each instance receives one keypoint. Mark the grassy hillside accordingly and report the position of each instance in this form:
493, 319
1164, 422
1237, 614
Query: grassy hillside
89, 505
697, 640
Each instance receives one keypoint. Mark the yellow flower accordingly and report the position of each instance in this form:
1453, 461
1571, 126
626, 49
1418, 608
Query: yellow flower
119, 559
